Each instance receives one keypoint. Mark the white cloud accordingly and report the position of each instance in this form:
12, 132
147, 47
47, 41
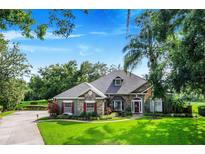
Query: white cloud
33, 48
98, 33
16, 35
13, 35
86, 50
50, 35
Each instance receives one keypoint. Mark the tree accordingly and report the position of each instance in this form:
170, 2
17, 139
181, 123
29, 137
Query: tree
13, 66
184, 33
61, 21
89, 72
57, 78
12, 92
146, 45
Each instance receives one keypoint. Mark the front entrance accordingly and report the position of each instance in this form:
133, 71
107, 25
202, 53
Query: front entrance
137, 105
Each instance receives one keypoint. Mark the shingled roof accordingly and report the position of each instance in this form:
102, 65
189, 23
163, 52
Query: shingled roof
78, 90
105, 85
130, 83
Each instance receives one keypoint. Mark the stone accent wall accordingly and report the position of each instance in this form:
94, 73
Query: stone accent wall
80, 106
100, 107
148, 94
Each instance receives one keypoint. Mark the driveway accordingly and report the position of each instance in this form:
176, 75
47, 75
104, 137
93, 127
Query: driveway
20, 128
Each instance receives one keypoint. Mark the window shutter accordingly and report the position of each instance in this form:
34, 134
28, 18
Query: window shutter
62, 107
95, 107
72, 107
84, 106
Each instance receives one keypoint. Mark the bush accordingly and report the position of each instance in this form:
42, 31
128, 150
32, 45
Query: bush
201, 110
169, 114
34, 103
33, 107
63, 116
110, 116
53, 109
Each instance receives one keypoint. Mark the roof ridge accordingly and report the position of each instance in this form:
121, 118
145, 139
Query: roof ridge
95, 89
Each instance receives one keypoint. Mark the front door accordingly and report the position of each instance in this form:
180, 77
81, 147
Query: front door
136, 106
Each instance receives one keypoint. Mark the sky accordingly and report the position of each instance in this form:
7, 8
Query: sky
99, 36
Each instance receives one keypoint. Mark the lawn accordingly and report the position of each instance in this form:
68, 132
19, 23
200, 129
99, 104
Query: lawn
6, 113
134, 132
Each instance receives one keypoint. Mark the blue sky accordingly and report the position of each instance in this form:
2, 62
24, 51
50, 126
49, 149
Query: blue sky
99, 35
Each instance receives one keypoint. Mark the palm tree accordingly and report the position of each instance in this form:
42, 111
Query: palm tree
145, 45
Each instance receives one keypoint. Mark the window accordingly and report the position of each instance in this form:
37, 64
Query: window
68, 107
118, 82
117, 105
90, 107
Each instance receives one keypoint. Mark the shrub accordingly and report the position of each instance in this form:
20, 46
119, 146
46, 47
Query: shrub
34, 103
83, 114
170, 114
110, 116
53, 109
34, 107
201, 110
63, 116
114, 114
105, 117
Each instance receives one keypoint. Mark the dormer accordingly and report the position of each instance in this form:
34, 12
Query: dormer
118, 81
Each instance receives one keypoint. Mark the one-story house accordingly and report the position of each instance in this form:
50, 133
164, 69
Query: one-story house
117, 91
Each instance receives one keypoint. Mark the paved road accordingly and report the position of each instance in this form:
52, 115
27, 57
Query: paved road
20, 128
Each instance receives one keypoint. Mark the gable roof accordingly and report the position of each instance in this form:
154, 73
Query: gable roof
105, 85
79, 90
130, 83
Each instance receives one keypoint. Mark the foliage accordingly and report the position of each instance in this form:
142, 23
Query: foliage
170, 114
53, 109
109, 116
176, 105
163, 131
13, 66
35, 107
57, 78
145, 45
61, 22
1, 108
201, 110
172, 40
183, 31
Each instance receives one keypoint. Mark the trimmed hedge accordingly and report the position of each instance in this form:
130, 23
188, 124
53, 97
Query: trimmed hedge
35, 107
34, 103
170, 114
201, 110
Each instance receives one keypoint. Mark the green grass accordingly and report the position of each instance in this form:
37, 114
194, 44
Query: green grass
3, 114
26, 103
195, 106
133, 132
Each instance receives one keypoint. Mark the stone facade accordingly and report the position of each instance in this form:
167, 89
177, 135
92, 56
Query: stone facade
102, 104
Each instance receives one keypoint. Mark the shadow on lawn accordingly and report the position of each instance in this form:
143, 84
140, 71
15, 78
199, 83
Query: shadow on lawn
170, 131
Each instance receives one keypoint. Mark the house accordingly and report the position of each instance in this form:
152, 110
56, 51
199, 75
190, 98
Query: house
117, 91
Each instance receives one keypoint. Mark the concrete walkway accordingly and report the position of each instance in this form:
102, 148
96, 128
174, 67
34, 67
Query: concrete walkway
20, 128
